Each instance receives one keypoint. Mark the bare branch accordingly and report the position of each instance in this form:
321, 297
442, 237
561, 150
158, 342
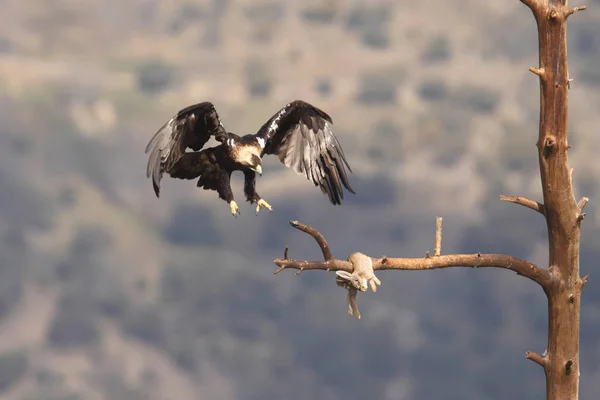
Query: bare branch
538, 71
584, 280
536, 358
332, 265
530, 3
317, 236
534, 5
582, 203
438, 237
478, 260
534, 205
570, 11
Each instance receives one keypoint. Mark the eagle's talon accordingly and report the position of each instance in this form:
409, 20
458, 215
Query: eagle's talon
235, 210
261, 203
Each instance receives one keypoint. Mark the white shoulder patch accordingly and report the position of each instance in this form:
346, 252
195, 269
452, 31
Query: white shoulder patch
261, 142
275, 124
231, 142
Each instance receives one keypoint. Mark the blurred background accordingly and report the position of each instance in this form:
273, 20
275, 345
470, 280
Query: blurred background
107, 292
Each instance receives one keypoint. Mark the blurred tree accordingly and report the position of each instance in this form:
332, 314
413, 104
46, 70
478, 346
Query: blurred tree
146, 323
376, 38
376, 89
192, 224
433, 89
478, 99
13, 365
189, 14
155, 76
268, 11
258, 83
324, 87
73, 325
437, 51
365, 16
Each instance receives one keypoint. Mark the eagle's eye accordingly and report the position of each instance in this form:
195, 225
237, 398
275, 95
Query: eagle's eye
255, 160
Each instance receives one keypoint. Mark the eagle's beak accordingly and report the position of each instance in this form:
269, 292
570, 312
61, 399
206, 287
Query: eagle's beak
258, 169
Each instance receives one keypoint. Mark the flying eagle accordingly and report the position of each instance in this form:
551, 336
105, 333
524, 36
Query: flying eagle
299, 135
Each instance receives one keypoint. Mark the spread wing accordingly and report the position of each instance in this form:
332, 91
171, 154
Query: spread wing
300, 136
191, 128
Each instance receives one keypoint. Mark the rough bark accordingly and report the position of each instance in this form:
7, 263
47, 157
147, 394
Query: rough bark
563, 215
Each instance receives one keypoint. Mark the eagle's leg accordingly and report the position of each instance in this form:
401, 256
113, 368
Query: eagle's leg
250, 191
262, 203
226, 194
235, 210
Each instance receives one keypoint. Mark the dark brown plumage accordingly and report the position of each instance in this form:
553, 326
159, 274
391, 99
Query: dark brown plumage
299, 135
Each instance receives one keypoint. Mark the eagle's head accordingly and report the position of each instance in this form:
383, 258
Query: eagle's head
248, 154
255, 164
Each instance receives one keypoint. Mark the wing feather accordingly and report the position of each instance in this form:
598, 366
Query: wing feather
203, 164
190, 128
300, 136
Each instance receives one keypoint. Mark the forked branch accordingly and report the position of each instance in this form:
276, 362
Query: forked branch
478, 260
317, 236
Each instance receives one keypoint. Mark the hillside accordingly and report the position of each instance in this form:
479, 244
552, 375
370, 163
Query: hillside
107, 292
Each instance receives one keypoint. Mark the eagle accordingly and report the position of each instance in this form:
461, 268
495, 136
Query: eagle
299, 135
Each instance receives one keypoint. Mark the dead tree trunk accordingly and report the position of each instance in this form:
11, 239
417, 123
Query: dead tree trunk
563, 214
